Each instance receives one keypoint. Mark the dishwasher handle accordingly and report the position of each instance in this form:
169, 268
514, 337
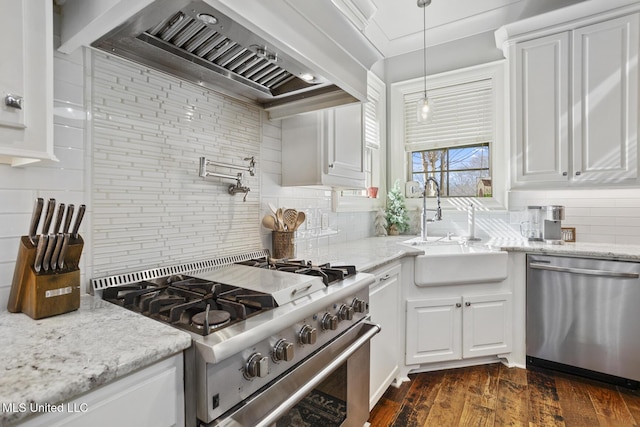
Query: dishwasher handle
587, 271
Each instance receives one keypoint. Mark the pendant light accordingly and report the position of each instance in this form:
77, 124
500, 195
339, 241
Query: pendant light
424, 111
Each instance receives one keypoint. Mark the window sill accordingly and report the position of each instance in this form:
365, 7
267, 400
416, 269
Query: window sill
458, 203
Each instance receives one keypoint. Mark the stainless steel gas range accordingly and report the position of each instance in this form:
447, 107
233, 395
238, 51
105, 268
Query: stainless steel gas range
274, 343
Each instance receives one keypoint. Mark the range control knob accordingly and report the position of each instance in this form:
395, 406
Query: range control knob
359, 306
283, 350
307, 335
329, 322
257, 366
345, 312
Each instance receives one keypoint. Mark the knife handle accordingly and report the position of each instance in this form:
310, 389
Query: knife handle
76, 225
67, 218
49, 252
60, 214
56, 251
35, 219
49, 216
63, 250
42, 245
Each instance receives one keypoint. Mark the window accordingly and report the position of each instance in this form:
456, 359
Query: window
463, 146
454, 146
461, 171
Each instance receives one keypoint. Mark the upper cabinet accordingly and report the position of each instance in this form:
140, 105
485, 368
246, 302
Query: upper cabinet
605, 100
574, 97
540, 120
324, 148
26, 81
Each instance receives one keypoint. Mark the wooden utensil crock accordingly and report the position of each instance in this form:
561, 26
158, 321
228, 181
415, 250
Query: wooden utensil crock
283, 244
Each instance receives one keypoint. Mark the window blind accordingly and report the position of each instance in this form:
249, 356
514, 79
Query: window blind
371, 125
461, 114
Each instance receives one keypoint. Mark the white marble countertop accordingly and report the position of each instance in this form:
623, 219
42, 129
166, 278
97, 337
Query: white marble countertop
367, 254
55, 359
592, 250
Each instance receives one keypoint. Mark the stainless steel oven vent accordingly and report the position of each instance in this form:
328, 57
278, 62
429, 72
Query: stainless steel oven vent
195, 42
189, 37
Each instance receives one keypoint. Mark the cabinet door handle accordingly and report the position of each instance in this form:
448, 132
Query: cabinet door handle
331, 166
13, 101
468, 304
385, 277
565, 173
458, 305
578, 173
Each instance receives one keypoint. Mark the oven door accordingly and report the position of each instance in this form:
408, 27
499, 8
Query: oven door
329, 388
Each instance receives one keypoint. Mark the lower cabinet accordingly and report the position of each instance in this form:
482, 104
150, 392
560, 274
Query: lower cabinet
153, 396
459, 327
384, 309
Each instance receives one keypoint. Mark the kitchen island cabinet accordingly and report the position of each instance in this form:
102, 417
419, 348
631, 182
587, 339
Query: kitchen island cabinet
574, 96
324, 148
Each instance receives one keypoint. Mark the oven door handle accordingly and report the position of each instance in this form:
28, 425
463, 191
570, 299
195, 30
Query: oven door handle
291, 401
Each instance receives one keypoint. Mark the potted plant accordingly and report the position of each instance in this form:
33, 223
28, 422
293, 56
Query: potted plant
397, 215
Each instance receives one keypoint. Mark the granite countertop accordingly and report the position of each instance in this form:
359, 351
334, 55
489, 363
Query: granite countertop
55, 359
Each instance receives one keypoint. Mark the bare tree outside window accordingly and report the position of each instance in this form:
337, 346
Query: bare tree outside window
461, 171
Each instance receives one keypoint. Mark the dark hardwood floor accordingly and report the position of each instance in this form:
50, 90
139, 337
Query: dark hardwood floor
494, 395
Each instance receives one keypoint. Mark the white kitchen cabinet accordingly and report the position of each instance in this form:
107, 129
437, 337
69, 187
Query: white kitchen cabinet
575, 104
26, 81
541, 124
153, 396
605, 100
384, 309
458, 327
324, 148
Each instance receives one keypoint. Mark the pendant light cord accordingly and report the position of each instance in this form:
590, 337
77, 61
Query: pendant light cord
424, 44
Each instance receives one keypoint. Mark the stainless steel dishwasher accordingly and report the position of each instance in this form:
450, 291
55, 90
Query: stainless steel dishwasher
583, 316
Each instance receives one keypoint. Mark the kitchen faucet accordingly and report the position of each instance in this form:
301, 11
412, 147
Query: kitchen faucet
437, 216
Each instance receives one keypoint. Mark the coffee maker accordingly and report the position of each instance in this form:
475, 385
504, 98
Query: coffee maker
552, 228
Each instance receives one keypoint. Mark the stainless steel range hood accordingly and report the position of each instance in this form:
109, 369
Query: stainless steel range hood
197, 43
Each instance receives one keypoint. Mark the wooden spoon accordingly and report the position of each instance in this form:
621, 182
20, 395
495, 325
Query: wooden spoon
269, 222
279, 220
299, 220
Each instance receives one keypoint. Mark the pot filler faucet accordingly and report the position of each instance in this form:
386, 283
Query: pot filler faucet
438, 210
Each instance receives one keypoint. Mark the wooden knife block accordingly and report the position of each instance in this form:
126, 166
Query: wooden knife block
46, 293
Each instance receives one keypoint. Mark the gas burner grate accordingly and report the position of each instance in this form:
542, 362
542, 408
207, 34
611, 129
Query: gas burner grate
129, 296
190, 303
328, 273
